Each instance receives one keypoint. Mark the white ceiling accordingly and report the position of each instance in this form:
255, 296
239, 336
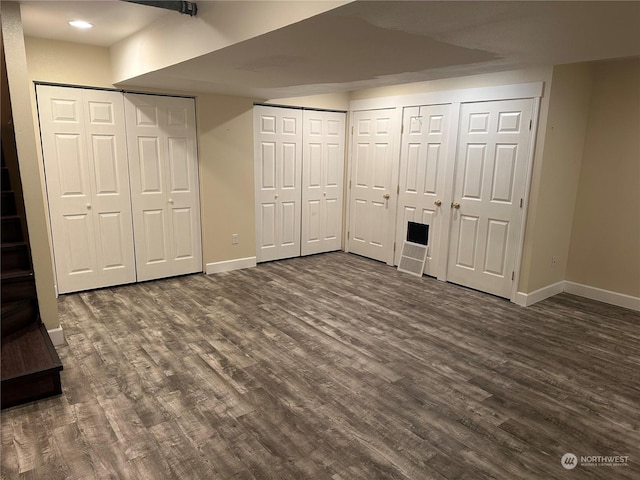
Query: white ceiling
113, 20
367, 44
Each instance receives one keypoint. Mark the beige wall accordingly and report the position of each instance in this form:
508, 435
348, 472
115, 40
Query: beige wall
555, 186
328, 101
30, 172
225, 132
605, 242
68, 63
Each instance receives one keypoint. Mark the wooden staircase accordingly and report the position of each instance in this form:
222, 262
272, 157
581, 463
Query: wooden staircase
30, 364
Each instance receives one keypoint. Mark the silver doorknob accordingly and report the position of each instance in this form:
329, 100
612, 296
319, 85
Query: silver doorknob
455, 205
88, 206
438, 203
171, 200
386, 196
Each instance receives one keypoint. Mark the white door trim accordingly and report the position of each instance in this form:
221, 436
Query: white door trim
447, 198
533, 133
480, 94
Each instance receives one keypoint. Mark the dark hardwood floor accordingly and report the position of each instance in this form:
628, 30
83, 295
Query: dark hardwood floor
331, 367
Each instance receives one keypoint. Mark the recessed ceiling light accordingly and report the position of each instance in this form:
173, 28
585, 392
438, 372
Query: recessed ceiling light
80, 24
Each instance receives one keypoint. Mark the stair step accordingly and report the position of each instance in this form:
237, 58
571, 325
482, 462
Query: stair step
7, 276
6, 182
11, 229
18, 288
15, 256
18, 315
30, 367
8, 203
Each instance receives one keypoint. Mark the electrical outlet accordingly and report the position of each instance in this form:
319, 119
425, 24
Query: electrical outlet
554, 261
235, 239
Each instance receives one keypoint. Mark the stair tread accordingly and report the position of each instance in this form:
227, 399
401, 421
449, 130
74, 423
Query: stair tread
9, 306
16, 274
21, 243
28, 352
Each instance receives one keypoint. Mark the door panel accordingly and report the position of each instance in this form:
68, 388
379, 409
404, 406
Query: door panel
154, 250
278, 177
150, 168
489, 184
78, 237
164, 185
372, 205
322, 181
183, 229
105, 165
423, 157
113, 249
87, 177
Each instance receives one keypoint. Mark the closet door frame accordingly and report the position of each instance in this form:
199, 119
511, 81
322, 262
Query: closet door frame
269, 136
127, 140
455, 98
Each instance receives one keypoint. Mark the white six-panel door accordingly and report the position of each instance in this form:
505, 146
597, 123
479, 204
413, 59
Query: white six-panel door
322, 186
373, 192
278, 178
164, 185
490, 175
423, 157
87, 177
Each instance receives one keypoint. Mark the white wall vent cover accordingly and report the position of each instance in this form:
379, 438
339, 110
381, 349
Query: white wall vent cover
414, 249
412, 258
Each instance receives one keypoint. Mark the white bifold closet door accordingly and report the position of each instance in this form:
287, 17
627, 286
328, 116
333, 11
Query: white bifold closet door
322, 181
488, 193
423, 161
278, 180
299, 170
87, 177
164, 185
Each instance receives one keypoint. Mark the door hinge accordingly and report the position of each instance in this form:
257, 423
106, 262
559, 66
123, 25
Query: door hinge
349, 183
352, 130
513, 275
402, 129
530, 124
398, 191
394, 247
348, 233
521, 202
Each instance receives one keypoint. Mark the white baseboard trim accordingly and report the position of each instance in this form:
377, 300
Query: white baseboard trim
527, 299
230, 265
57, 336
613, 298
